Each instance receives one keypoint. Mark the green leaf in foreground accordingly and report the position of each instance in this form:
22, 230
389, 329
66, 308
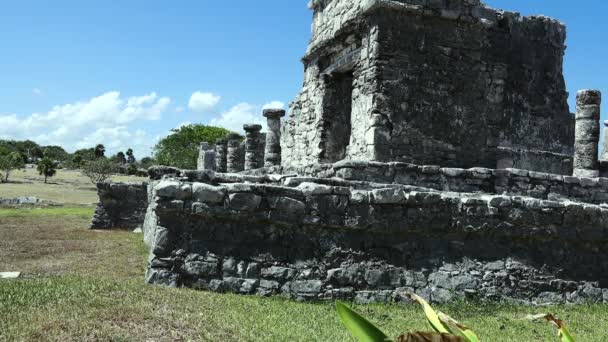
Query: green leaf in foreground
562, 332
463, 330
361, 329
430, 314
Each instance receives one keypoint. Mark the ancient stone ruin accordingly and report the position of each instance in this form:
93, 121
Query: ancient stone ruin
431, 149
429, 82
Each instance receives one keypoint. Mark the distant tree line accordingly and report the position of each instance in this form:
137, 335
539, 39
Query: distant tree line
178, 149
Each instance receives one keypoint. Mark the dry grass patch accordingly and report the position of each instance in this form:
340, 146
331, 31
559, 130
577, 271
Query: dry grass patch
68, 186
56, 241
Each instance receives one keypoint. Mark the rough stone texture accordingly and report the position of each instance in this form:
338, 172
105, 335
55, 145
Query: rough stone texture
430, 150
121, 205
207, 157
587, 134
235, 161
272, 155
253, 142
604, 155
221, 151
452, 83
315, 241
24, 200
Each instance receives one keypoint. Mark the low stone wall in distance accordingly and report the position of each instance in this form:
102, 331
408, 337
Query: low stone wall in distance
121, 205
311, 241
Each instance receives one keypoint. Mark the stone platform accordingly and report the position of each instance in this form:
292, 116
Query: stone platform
467, 233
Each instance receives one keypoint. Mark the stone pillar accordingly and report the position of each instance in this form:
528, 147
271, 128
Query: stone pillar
206, 157
605, 147
253, 159
587, 133
272, 156
234, 160
221, 151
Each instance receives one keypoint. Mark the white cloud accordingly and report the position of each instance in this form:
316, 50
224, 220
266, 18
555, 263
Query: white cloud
102, 119
237, 116
244, 113
274, 105
36, 92
117, 139
203, 102
180, 109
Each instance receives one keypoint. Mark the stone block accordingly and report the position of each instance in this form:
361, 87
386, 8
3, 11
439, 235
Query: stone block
208, 193
245, 201
388, 196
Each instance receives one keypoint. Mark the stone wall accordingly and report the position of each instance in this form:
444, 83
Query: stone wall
121, 205
514, 182
313, 241
431, 82
457, 91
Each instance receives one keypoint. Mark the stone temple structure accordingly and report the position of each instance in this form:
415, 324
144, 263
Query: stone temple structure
429, 82
431, 149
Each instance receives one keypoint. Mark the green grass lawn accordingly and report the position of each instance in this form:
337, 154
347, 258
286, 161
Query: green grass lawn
68, 186
82, 285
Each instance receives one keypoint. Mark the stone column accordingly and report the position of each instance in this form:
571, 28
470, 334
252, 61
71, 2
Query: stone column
587, 133
234, 160
253, 160
272, 156
221, 151
605, 147
206, 157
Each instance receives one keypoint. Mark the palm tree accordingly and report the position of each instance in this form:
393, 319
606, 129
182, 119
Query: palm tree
46, 168
120, 158
131, 159
100, 151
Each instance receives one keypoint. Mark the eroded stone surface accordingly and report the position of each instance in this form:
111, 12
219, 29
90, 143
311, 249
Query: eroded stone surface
122, 205
317, 241
384, 81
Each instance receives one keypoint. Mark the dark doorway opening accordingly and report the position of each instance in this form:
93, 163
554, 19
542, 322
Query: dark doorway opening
337, 125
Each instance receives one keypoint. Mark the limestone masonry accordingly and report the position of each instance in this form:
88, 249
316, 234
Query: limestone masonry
431, 149
452, 83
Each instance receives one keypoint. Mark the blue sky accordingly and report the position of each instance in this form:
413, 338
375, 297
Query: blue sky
124, 73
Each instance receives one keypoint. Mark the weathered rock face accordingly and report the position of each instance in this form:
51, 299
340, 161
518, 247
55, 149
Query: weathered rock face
207, 157
449, 83
587, 134
254, 147
121, 205
368, 241
235, 158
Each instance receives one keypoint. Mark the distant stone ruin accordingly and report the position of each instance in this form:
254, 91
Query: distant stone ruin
121, 205
431, 149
